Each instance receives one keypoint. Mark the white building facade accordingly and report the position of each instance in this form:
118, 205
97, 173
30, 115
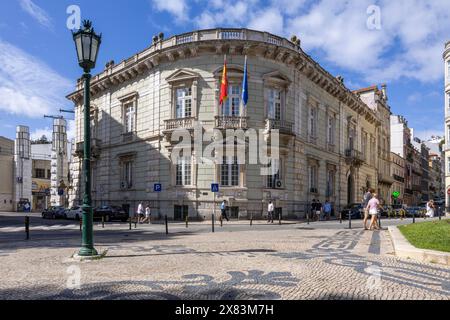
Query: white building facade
328, 136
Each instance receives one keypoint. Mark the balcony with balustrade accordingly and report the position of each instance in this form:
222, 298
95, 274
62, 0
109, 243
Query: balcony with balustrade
354, 157
231, 122
95, 148
284, 127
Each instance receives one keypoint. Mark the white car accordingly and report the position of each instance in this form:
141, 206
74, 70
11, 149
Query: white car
74, 213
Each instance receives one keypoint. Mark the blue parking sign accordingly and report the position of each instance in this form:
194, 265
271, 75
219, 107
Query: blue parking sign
215, 187
157, 187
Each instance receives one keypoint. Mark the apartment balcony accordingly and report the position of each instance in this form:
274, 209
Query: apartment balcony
231, 122
398, 178
181, 123
354, 157
95, 148
285, 127
386, 179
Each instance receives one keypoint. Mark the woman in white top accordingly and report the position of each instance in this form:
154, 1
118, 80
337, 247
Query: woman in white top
430, 209
372, 208
147, 215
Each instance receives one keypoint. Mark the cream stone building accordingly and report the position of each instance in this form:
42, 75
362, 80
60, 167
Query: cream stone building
6, 174
447, 125
398, 174
329, 136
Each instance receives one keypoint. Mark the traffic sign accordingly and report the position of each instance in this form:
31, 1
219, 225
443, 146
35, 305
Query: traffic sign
215, 187
157, 187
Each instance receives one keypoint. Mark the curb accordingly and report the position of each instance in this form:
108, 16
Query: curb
404, 249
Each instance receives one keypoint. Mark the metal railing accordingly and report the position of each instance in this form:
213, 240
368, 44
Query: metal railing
282, 125
231, 122
182, 123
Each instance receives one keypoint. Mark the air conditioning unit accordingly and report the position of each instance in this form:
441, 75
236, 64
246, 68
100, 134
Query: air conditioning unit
278, 184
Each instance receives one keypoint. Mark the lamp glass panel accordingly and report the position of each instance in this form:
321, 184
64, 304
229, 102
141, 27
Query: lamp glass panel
79, 48
86, 46
94, 49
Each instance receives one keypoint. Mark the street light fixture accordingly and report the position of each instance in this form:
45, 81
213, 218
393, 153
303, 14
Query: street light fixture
87, 43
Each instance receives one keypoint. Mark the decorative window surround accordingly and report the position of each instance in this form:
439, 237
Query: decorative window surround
183, 79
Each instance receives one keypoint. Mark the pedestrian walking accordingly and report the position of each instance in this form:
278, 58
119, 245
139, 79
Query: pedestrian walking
147, 215
270, 212
366, 198
223, 209
430, 209
372, 207
327, 210
140, 213
318, 210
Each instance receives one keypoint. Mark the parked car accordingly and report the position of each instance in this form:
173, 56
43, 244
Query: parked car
54, 213
75, 213
356, 211
111, 213
415, 211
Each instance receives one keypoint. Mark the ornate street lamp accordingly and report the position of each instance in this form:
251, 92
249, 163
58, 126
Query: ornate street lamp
87, 43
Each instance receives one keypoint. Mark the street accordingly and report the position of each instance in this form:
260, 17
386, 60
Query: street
323, 260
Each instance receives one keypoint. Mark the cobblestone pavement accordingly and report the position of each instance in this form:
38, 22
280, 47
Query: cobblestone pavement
296, 262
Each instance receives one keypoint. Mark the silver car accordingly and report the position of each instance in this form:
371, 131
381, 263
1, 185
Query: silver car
74, 213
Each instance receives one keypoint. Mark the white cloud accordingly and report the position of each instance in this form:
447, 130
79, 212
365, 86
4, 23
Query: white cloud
270, 20
178, 8
29, 87
427, 134
38, 133
39, 14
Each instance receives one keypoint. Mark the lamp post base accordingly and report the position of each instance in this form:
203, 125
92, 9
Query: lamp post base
87, 252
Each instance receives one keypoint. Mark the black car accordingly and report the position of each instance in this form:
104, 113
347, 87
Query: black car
54, 213
356, 211
111, 213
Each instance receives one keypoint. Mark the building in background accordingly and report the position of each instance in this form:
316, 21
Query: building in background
398, 174
41, 154
402, 146
23, 167
377, 100
447, 125
59, 164
437, 162
6, 174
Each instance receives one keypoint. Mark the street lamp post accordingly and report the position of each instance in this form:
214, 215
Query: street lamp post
87, 43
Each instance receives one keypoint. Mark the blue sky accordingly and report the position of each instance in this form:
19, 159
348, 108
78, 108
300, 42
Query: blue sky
38, 64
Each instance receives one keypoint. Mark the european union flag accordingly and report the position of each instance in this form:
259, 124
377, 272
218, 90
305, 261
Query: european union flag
245, 85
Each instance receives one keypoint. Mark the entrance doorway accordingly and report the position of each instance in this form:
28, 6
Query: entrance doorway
180, 213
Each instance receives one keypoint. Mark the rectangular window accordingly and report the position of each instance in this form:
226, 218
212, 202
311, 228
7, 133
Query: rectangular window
274, 107
130, 117
232, 105
127, 175
184, 103
183, 172
364, 144
39, 173
312, 120
276, 174
330, 183
229, 172
312, 178
330, 130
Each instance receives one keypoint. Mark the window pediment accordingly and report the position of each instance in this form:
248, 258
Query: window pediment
277, 78
182, 75
233, 71
129, 97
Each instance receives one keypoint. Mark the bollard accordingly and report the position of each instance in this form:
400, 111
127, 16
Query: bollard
187, 221
135, 222
379, 220
221, 221
439, 213
130, 223
251, 220
27, 228
279, 219
103, 222
349, 220
167, 225
212, 222
340, 218
307, 218
414, 217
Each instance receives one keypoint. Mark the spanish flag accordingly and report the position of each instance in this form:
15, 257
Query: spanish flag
224, 85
